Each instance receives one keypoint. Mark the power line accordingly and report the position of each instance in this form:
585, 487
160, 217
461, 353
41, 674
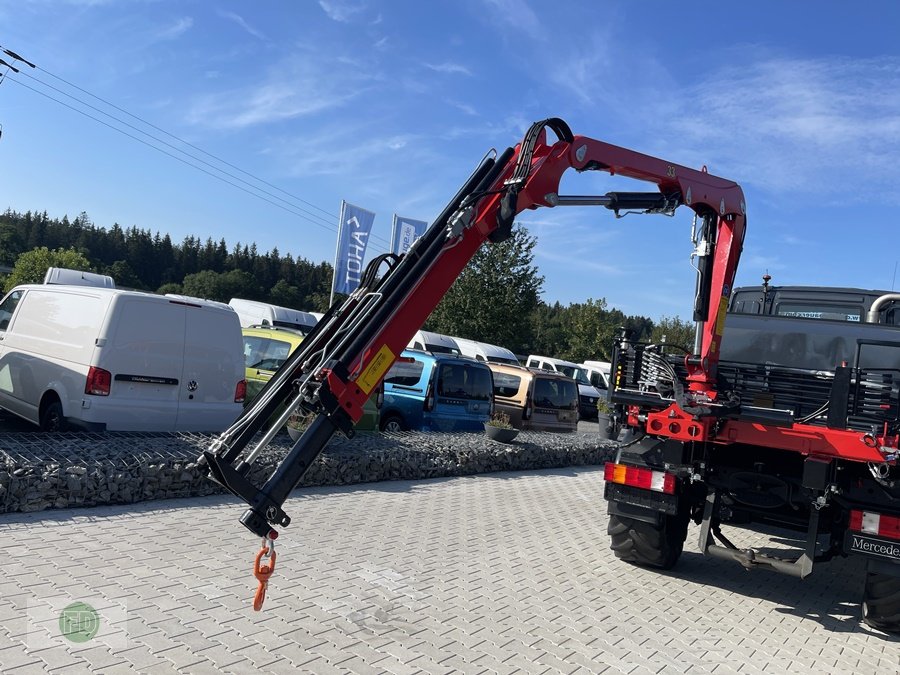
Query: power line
189, 144
250, 188
180, 159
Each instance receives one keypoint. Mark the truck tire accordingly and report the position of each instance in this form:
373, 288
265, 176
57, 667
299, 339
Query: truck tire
641, 543
881, 602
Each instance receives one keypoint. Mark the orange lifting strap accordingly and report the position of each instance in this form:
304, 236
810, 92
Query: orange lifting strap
262, 571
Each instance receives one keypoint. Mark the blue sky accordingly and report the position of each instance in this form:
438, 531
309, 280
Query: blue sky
390, 105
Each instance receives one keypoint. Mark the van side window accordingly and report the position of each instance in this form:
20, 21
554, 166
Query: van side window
405, 373
506, 385
8, 307
462, 381
533, 363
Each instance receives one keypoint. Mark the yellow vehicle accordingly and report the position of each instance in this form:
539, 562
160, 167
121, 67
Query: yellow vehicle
267, 347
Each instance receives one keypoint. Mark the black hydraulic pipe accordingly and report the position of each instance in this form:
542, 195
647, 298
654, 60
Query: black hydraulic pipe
629, 201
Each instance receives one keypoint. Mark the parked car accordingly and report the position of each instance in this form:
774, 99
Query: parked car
436, 392
265, 350
598, 373
254, 313
436, 343
539, 400
482, 351
103, 358
588, 395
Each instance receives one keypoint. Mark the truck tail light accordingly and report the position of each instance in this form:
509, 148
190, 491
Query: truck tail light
647, 479
878, 524
429, 400
240, 391
98, 382
526, 414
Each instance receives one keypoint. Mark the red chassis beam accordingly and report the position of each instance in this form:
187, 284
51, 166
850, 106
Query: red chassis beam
801, 438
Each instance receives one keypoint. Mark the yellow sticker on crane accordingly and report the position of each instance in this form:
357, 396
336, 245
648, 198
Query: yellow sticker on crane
376, 369
720, 320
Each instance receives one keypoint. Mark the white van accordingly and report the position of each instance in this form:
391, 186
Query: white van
598, 373
482, 351
436, 343
588, 395
61, 275
101, 358
254, 313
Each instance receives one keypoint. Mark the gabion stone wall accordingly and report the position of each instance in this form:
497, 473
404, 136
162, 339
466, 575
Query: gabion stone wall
45, 471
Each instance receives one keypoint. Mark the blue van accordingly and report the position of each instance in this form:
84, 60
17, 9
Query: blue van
436, 392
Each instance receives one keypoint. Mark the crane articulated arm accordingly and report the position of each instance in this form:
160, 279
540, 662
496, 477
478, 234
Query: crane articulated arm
343, 360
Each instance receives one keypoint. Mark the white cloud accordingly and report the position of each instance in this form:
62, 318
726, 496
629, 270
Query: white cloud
177, 29
823, 126
339, 10
293, 88
518, 17
449, 68
239, 20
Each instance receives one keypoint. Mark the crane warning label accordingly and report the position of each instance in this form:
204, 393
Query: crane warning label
376, 369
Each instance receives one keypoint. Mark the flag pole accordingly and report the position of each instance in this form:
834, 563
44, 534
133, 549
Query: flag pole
337, 252
394, 234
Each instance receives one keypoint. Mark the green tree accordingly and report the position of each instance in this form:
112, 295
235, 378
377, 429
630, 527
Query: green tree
494, 296
590, 330
31, 266
675, 331
285, 295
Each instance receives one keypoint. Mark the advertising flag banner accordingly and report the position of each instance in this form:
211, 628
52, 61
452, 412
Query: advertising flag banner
405, 232
353, 237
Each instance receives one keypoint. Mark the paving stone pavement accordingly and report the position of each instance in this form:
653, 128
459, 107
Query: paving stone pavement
499, 573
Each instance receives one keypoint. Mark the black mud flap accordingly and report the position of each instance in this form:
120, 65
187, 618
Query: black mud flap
632, 501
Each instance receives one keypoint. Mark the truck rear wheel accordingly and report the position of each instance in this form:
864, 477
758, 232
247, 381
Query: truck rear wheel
881, 602
641, 543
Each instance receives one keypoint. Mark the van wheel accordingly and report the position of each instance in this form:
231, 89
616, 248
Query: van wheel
393, 424
51, 418
881, 602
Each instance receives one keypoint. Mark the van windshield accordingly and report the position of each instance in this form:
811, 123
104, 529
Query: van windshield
299, 327
435, 348
575, 373
501, 359
460, 380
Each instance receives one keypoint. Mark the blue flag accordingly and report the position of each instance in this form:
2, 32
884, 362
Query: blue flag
353, 237
405, 232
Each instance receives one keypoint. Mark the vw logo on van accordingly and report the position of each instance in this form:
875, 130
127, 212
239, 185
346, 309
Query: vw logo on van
192, 385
